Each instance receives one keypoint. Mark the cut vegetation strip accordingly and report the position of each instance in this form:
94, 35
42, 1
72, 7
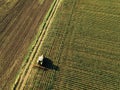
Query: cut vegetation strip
22, 78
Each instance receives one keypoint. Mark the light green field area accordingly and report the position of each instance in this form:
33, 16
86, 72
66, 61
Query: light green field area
84, 42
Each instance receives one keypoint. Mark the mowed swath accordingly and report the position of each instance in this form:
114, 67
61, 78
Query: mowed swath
84, 42
17, 32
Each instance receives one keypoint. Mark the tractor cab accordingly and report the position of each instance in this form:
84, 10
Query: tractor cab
40, 60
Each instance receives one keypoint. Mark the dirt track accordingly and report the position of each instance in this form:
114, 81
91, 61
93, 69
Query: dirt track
17, 31
23, 77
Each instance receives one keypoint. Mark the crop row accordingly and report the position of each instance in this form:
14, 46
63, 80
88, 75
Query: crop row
75, 43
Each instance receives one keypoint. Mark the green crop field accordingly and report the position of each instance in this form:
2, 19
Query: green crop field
83, 40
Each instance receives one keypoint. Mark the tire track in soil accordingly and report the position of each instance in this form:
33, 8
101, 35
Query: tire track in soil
26, 33
60, 50
22, 26
31, 65
37, 73
44, 74
15, 39
46, 5
12, 16
17, 20
35, 77
18, 3
67, 51
15, 52
43, 71
10, 29
41, 16
43, 77
8, 17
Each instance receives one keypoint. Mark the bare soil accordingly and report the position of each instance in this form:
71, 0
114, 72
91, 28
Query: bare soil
17, 31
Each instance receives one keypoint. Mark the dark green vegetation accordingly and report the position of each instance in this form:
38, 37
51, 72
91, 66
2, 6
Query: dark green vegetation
84, 42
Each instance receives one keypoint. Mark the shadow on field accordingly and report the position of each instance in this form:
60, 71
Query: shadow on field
47, 63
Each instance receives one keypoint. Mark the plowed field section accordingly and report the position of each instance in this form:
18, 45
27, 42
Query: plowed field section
18, 30
84, 42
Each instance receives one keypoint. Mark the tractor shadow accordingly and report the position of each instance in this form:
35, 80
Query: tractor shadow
47, 63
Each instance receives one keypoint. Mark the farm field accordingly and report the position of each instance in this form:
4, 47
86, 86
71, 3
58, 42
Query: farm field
19, 25
83, 41
5, 6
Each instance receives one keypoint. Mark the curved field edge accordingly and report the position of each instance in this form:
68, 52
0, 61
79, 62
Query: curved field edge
32, 49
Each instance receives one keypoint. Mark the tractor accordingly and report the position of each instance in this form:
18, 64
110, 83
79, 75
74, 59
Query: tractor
40, 62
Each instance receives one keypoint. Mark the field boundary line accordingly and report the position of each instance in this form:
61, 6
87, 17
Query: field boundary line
23, 76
